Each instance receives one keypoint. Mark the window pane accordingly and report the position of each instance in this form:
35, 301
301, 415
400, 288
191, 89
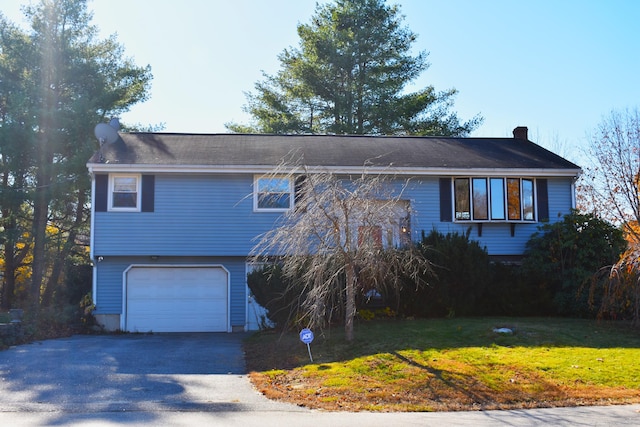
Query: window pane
274, 193
273, 201
125, 184
497, 198
273, 185
527, 199
125, 200
513, 198
462, 198
480, 199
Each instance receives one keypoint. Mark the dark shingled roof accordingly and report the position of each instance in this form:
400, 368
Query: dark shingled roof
229, 150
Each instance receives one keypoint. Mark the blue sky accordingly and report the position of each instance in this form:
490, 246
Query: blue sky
556, 66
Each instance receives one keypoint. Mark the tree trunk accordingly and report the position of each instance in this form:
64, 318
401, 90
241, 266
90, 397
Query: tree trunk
13, 258
60, 260
41, 203
48, 124
9, 275
350, 303
40, 216
13, 261
8, 244
636, 305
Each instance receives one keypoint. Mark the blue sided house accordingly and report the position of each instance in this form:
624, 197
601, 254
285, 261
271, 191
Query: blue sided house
175, 216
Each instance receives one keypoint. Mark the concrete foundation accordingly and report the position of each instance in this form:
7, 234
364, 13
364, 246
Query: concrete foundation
110, 322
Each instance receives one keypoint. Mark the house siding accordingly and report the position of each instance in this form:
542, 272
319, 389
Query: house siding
209, 219
195, 215
212, 215
495, 236
560, 198
109, 298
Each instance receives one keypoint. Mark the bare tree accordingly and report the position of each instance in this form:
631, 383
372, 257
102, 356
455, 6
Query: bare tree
554, 142
609, 185
611, 188
344, 236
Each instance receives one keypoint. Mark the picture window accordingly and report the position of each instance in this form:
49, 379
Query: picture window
494, 199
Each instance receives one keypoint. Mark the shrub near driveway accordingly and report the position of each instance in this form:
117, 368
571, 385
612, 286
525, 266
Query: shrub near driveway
452, 364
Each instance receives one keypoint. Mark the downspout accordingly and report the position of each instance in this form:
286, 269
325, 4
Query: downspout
246, 297
94, 280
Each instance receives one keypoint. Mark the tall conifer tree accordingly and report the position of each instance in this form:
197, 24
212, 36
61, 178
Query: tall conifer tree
349, 75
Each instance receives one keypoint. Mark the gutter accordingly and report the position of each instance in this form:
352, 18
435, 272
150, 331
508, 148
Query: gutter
373, 170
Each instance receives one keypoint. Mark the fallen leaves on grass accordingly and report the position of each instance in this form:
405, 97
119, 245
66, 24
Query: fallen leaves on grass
435, 394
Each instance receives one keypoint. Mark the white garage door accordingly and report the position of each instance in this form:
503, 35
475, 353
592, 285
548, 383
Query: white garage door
176, 299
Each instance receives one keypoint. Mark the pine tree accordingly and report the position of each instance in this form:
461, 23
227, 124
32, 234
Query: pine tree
349, 76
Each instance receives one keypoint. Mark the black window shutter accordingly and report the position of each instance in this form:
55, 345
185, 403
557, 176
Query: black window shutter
445, 200
299, 188
102, 192
148, 193
543, 199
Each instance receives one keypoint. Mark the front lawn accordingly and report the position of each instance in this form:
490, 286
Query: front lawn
451, 364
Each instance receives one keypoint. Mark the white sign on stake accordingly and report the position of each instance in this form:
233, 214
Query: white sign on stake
306, 336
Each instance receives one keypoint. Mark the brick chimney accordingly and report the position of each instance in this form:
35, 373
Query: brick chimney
521, 132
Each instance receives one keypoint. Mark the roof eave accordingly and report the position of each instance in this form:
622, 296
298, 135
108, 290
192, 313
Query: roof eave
386, 170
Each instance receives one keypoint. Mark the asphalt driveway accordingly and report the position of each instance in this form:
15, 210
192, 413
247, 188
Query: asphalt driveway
131, 372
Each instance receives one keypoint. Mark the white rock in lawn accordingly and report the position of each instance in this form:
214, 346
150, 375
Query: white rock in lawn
503, 331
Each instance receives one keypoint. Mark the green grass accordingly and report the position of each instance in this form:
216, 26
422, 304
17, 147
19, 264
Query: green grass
453, 364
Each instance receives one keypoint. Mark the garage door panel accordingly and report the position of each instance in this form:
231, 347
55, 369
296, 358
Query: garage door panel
177, 299
170, 291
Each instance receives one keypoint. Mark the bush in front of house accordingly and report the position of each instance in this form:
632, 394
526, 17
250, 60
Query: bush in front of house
562, 258
469, 283
278, 295
462, 274
509, 293
553, 279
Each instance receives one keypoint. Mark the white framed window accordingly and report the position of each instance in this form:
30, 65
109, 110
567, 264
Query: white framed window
272, 193
125, 192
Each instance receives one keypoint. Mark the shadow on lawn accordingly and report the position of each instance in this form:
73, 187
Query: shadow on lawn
449, 365
440, 375
275, 350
